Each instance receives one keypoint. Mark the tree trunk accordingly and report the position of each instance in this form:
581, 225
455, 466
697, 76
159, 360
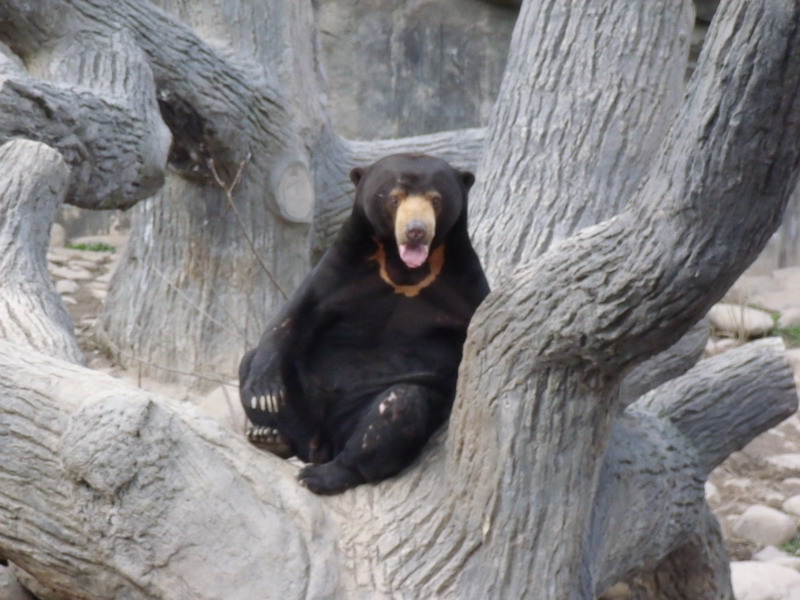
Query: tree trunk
537, 487
213, 252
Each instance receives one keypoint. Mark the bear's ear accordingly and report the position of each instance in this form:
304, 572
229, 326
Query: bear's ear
467, 178
356, 175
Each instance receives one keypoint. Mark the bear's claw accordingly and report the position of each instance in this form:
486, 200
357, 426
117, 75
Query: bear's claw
270, 439
271, 403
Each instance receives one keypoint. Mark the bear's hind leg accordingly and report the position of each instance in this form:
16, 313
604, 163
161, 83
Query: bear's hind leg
388, 437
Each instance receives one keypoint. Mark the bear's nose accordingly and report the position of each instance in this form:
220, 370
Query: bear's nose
416, 232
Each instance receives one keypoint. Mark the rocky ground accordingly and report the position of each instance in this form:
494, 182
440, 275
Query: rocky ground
755, 493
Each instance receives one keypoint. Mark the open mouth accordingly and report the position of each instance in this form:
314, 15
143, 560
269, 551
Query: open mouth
414, 255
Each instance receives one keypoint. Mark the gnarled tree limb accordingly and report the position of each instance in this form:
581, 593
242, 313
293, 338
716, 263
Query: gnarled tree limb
33, 181
93, 99
523, 495
137, 488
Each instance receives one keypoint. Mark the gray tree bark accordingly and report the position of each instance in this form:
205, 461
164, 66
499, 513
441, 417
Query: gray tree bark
33, 182
139, 489
537, 488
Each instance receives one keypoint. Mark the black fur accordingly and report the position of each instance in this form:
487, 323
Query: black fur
359, 376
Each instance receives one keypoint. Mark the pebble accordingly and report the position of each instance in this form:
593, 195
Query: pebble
790, 317
56, 259
618, 591
712, 493
765, 526
723, 345
82, 263
73, 274
740, 321
67, 286
754, 580
769, 554
88, 321
774, 499
786, 462
58, 236
793, 356
792, 506
737, 484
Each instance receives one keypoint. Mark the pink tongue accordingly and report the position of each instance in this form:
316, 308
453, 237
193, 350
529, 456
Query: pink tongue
414, 256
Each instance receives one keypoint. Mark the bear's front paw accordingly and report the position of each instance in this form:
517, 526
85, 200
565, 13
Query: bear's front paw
329, 478
262, 391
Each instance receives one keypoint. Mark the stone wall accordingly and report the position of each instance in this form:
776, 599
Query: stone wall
405, 67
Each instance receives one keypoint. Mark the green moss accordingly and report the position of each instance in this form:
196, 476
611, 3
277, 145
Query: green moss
792, 546
790, 335
98, 247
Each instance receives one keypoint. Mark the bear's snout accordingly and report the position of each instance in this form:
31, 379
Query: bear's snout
416, 232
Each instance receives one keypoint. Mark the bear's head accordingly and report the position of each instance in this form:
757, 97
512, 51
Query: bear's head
413, 201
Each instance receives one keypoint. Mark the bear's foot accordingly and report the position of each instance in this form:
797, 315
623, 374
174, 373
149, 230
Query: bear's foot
329, 478
269, 439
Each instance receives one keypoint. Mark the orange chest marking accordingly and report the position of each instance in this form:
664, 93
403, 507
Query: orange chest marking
435, 264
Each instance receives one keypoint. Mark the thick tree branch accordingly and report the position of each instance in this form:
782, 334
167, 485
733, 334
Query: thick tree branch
33, 181
619, 291
666, 365
137, 488
204, 101
95, 102
109, 492
672, 438
733, 409
589, 92
241, 92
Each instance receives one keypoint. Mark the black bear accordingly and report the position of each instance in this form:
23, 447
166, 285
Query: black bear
360, 367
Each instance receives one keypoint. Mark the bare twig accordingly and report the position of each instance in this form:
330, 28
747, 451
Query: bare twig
147, 363
228, 190
194, 305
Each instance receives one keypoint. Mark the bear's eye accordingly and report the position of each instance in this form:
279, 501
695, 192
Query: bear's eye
436, 201
394, 200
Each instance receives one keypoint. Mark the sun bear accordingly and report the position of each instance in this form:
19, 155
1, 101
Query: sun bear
359, 368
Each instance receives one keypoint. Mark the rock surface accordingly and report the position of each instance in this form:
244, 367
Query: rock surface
423, 65
740, 321
765, 526
792, 506
764, 581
